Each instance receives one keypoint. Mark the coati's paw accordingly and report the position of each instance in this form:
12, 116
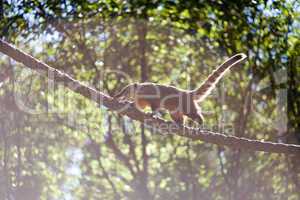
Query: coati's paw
156, 114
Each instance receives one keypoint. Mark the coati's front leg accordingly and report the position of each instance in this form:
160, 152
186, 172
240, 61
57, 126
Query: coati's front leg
177, 117
143, 103
197, 117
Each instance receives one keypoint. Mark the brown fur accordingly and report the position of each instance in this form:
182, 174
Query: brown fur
177, 101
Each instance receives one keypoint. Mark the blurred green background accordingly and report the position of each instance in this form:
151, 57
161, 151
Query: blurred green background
57, 145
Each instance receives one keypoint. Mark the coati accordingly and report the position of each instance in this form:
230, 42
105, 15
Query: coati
177, 101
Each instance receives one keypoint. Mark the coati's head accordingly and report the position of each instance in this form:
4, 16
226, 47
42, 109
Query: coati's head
128, 92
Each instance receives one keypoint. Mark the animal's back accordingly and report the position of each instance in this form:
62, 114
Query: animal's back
163, 96
157, 90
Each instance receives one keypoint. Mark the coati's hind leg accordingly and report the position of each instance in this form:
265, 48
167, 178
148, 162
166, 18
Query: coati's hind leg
177, 117
197, 117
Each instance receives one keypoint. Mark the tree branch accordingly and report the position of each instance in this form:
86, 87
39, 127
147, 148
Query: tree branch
158, 124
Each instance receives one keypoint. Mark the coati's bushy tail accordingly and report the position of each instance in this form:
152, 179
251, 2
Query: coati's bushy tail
206, 87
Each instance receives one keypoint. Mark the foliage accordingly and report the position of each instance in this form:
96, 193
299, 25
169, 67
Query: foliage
58, 145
